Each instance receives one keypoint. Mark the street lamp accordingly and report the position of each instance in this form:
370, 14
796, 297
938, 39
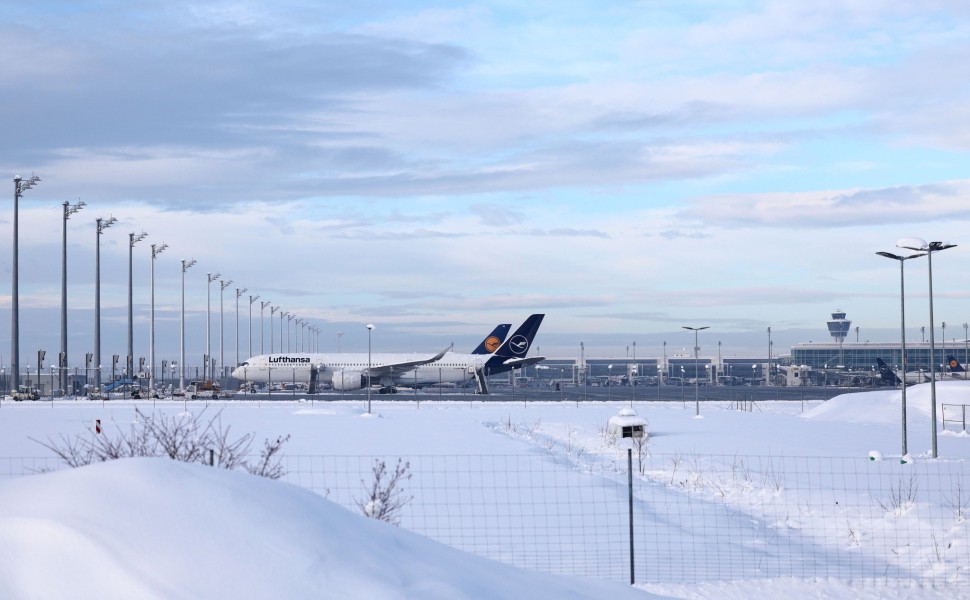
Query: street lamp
19, 186
208, 335
272, 311
609, 383
133, 239
251, 300
156, 250
370, 328
186, 265
239, 292
697, 403
102, 224
262, 306
289, 318
768, 374
902, 328
920, 245
222, 357
62, 359
282, 314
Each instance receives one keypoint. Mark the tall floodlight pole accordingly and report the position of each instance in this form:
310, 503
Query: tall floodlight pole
133, 239
370, 328
186, 265
222, 360
768, 374
920, 245
252, 299
239, 292
697, 404
272, 311
208, 332
282, 314
262, 306
289, 318
19, 187
902, 333
102, 224
62, 359
340, 334
156, 250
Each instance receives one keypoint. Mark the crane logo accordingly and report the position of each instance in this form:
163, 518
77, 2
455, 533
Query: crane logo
519, 344
492, 343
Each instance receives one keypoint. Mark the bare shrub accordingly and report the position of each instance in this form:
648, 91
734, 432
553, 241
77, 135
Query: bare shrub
385, 498
958, 501
185, 438
902, 495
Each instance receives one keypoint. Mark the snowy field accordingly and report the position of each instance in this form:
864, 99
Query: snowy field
771, 501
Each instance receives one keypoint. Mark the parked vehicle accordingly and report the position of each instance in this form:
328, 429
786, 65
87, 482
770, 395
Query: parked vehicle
24, 392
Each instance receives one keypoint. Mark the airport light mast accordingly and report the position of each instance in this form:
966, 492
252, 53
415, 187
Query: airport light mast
920, 245
222, 359
130, 360
62, 359
252, 299
239, 293
697, 404
19, 187
206, 374
902, 333
186, 265
156, 250
263, 305
102, 224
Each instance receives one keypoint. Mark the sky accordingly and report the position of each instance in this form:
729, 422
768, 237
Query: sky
782, 501
628, 168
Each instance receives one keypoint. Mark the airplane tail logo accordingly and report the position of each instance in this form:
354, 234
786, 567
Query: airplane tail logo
517, 346
955, 366
494, 340
887, 374
492, 343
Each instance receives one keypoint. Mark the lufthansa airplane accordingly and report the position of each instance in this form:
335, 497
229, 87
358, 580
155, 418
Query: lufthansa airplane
350, 371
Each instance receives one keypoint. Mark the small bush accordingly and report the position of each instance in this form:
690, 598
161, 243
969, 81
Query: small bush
184, 438
385, 498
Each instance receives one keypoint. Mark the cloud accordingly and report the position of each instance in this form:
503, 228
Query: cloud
944, 201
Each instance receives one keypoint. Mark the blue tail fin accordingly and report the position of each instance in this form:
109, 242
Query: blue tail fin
517, 346
887, 374
493, 340
954, 364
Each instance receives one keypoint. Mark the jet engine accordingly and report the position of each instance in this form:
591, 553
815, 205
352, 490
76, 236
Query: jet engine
348, 380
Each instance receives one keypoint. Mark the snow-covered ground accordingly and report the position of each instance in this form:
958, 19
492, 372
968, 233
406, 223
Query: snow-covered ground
207, 530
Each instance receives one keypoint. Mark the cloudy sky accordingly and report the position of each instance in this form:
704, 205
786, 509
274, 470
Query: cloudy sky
436, 168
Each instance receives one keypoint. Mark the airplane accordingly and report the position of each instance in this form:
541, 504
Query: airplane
891, 377
349, 371
956, 369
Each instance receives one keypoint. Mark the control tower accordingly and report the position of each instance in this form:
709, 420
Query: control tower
839, 326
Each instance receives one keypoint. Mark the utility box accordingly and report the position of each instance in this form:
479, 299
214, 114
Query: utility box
627, 425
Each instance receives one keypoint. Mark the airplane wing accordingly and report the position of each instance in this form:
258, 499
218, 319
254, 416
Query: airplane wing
518, 363
390, 369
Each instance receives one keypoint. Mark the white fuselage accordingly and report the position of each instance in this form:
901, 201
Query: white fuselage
296, 368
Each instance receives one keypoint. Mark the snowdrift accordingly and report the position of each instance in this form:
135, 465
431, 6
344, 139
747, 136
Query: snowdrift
885, 407
155, 528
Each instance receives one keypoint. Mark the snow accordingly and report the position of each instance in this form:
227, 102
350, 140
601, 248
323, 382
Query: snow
154, 528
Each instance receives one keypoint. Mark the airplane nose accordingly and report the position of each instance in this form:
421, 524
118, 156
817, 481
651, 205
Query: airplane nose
237, 373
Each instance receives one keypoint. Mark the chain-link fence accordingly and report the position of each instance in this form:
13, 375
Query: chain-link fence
695, 518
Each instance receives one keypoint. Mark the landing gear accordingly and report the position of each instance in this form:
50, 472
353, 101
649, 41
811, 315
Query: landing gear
387, 389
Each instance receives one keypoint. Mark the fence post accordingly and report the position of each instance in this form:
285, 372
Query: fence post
629, 470
964, 417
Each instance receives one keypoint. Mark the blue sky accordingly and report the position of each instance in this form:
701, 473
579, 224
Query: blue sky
437, 168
